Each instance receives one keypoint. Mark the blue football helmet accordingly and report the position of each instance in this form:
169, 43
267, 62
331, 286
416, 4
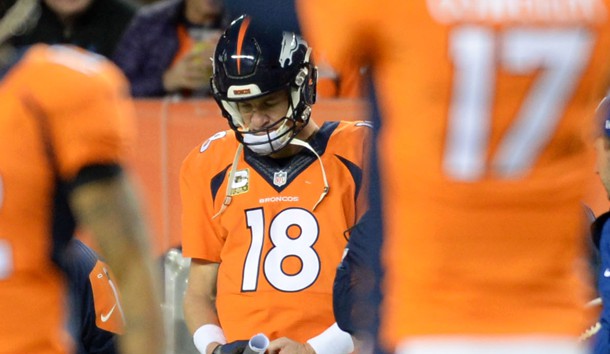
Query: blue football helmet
253, 59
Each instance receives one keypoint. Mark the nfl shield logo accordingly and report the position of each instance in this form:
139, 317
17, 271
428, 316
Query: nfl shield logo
279, 178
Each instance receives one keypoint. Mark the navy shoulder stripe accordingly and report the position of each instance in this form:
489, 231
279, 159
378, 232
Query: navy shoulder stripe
216, 181
355, 171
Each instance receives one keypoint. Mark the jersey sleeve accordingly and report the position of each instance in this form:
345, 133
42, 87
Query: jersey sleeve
200, 238
95, 309
106, 300
84, 99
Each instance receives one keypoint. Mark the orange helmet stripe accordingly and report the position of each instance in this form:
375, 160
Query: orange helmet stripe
240, 41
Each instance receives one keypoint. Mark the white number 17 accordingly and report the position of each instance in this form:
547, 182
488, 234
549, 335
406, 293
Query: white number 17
559, 54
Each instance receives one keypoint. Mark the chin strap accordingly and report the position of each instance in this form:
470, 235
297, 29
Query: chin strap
306, 145
228, 194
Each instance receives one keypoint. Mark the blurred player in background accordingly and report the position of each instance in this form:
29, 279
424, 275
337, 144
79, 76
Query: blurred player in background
483, 158
601, 232
96, 313
266, 203
65, 129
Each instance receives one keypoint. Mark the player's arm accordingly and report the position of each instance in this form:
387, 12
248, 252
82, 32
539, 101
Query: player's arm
103, 202
199, 306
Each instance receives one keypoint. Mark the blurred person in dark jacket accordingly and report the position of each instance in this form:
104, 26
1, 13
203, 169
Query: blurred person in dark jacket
168, 47
95, 25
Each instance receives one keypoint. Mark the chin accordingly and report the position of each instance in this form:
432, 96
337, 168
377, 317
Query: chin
68, 7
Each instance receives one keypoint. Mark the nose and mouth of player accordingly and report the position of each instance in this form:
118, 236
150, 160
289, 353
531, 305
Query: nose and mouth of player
265, 126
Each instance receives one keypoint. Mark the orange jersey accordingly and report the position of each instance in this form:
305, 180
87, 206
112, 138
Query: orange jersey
344, 81
79, 101
483, 152
277, 256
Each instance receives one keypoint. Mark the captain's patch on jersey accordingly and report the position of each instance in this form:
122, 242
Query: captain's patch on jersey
241, 183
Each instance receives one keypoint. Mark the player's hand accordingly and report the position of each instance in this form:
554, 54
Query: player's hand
288, 346
236, 347
189, 72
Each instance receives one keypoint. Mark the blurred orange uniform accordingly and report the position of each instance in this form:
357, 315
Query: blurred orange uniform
62, 109
483, 153
277, 255
343, 80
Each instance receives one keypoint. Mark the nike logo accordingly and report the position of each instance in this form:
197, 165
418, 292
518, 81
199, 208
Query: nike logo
607, 273
105, 317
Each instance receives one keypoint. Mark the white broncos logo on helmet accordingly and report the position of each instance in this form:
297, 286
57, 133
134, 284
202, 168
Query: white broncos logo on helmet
290, 44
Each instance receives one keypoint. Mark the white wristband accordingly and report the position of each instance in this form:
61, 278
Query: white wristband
207, 334
332, 341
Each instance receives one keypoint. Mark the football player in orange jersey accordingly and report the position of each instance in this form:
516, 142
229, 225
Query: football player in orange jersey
483, 156
265, 204
65, 130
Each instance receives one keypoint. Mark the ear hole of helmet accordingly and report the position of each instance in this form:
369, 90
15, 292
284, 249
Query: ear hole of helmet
304, 91
301, 76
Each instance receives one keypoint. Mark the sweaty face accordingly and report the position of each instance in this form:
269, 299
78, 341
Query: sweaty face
67, 8
263, 112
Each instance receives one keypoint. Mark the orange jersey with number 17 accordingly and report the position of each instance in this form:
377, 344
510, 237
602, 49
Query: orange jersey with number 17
486, 108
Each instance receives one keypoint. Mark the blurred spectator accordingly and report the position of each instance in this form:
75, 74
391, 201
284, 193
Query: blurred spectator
168, 47
95, 25
276, 13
